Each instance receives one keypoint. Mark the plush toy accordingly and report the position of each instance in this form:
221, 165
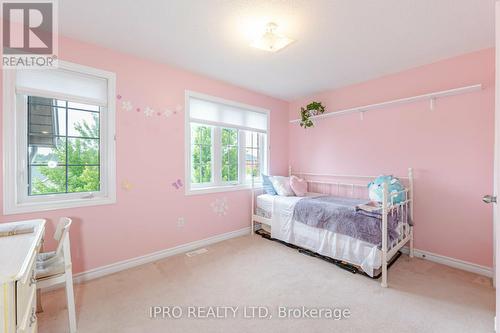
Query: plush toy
376, 190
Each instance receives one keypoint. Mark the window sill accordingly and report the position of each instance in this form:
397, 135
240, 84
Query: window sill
55, 205
217, 189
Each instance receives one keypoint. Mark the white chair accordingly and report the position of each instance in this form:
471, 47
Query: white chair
55, 267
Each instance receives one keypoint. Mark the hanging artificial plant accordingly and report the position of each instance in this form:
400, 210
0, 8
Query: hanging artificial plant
312, 109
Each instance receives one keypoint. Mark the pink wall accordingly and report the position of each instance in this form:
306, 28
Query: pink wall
150, 155
450, 148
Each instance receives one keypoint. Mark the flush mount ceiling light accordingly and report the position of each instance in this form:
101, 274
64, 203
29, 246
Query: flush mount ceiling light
271, 40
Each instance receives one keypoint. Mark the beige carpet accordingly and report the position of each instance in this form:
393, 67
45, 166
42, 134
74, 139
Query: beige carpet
250, 271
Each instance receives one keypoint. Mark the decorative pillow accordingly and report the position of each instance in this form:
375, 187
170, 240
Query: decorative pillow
298, 185
282, 186
395, 188
268, 185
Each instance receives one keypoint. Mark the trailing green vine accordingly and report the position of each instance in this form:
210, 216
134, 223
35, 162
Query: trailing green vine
312, 109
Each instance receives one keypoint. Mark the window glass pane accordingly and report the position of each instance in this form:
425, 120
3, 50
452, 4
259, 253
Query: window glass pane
44, 122
81, 106
196, 154
56, 117
254, 163
83, 179
67, 145
230, 163
263, 156
251, 139
206, 154
226, 173
47, 180
83, 151
83, 124
41, 100
254, 171
201, 172
201, 154
201, 134
49, 155
41, 119
61, 121
206, 172
229, 150
229, 137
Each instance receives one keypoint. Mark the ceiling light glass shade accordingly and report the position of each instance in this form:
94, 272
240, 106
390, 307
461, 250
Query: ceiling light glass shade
271, 41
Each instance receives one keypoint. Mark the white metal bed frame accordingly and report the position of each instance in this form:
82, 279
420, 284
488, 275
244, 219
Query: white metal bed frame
404, 208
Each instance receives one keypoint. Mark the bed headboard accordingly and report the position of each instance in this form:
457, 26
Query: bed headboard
354, 186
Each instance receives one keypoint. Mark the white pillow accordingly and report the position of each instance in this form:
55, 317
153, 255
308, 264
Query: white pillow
282, 186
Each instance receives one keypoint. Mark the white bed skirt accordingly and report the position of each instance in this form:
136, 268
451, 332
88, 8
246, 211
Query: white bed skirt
327, 243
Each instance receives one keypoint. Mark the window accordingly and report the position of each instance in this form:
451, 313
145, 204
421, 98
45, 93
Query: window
59, 138
201, 154
63, 147
226, 144
253, 155
230, 148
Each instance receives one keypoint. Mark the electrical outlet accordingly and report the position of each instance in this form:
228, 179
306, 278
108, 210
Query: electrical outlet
181, 222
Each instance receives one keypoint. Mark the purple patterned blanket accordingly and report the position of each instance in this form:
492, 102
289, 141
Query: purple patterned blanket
340, 215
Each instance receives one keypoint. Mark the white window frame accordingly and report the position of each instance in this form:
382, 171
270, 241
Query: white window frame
217, 185
16, 198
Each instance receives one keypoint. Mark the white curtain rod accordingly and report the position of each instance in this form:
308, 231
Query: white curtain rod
431, 96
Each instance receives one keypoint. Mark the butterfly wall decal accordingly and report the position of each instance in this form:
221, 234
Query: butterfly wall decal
177, 184
126, 185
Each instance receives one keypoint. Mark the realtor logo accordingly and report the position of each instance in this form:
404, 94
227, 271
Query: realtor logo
29, 36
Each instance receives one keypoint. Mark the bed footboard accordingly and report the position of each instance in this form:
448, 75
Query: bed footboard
404, 210
256, 219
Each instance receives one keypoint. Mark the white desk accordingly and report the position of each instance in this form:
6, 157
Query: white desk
17, 279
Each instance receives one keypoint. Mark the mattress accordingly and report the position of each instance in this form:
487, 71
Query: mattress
264, 202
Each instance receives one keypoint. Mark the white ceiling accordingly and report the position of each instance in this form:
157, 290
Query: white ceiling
338, 42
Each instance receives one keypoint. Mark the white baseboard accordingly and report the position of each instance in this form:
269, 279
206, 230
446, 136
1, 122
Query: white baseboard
155, 256
455, 263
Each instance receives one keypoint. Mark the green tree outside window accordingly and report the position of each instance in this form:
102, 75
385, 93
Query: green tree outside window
229, 155
71, 165
201, 154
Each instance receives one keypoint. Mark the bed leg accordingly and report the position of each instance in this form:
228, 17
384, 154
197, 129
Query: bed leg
384, 270
411, 243
252, 222
385, 212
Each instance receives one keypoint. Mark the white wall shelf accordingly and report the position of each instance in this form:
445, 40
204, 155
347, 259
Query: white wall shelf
431, 97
